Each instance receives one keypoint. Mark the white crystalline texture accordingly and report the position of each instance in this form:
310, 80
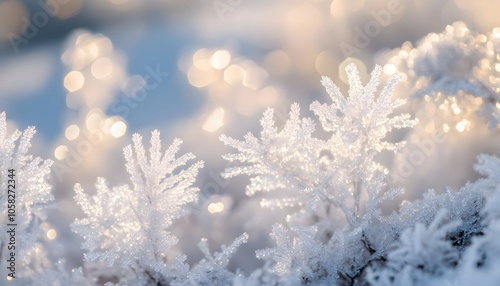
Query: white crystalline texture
212, 269
32, 198
336, 183
338, 235
128, 226
458, 63
130, 223
332, 186
422, 250
454, 240
315, 172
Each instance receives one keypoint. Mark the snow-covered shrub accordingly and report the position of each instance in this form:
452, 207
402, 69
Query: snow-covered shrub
459, 246
335, 173
481, 260
421, 252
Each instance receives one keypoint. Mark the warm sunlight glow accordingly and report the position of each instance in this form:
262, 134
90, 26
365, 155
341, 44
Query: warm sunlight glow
93, 121
118, 129
462, 125
61, 152
73, 81
201, 59
216, 207
214, 121
389, 69
234, 74
101, 68
72, 132
221, 59
51, 234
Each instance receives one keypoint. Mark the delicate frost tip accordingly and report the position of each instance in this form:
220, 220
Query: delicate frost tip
325, 80
268, 111
351, 67
155, 134
244, 236
294, 109
136, 137
396, 78
377, 70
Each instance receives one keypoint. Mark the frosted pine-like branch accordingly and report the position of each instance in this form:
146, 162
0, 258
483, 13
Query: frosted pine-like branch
212, 269
422, 250
277, 160
336, 183
31, 198
359, 125
298, 260
129, 225
315, 172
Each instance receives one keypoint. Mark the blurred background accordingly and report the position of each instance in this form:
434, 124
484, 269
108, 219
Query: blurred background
90, 73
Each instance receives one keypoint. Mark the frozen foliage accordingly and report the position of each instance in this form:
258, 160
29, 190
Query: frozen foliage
60, 276
458, 67
458, 247
30, 199
339, 170
422, 251
212, 269
482, 259
337, 183
131, 224
329, 181
128, 226
339, 236
443, 239
303, 262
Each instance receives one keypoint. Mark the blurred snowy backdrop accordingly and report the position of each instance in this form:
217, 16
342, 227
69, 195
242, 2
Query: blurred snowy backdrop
89, 74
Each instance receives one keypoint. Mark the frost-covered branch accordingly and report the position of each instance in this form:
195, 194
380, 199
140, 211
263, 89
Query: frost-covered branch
129, 226
27, 202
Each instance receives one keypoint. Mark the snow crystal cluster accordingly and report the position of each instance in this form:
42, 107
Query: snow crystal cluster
30, 196
127, 227
337, 234
458, 68
329, 180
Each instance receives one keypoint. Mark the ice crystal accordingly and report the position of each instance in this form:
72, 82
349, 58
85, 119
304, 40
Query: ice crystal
129, 226
298, 260
337, 171
336, 183
485, 250
458, 68
60, 276
30, 197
